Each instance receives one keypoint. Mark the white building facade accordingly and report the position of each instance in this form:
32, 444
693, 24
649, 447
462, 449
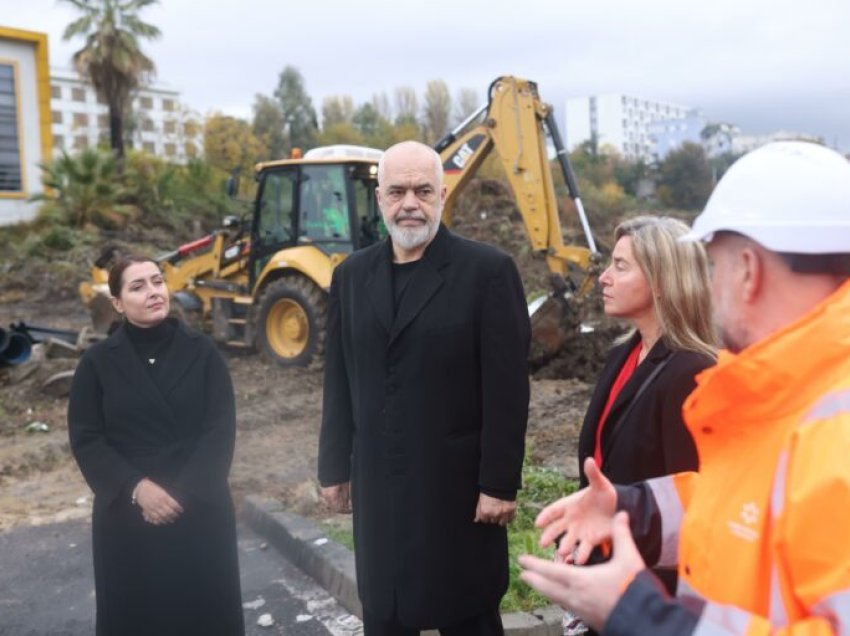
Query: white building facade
619, 121
159, 124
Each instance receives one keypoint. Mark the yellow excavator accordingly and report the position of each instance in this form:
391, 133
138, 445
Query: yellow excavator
266, 286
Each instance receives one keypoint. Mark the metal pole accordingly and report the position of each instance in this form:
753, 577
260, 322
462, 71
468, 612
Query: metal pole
569, 178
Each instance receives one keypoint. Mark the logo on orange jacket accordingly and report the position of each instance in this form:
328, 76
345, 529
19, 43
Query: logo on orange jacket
749, 515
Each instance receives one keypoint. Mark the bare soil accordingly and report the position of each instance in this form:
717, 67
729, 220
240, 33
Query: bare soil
278, 417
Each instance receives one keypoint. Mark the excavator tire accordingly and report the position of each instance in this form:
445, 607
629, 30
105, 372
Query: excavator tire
291, 322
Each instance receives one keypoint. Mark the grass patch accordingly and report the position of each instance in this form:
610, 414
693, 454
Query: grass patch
540, 486
341, 534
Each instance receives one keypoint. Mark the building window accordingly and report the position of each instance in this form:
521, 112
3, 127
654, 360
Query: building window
169, 127
81, 142
191, 150
170, 150
103, 121
58, 142
146, 102
78, 94
149, 146
55, 92
81, 119
10, 152
147, 125
56, 116
168, 105
190, 128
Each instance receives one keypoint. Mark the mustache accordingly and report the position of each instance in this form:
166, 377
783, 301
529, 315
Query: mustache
410, 216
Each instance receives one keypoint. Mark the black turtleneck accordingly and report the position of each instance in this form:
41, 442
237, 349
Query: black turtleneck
151, 343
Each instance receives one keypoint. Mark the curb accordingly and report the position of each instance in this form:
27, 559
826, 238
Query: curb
332, 565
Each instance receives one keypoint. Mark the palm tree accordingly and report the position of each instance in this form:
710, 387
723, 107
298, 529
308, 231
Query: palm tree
83, 189
111, 57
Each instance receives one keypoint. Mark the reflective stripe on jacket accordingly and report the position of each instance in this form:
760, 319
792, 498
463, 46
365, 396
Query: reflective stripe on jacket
764, 542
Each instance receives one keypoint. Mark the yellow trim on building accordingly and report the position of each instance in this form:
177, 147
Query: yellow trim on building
42, 71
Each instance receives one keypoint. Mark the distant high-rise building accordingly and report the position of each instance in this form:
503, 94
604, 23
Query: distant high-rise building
158, 124
618, 120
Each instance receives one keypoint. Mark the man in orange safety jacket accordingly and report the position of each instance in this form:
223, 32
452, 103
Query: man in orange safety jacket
761, 535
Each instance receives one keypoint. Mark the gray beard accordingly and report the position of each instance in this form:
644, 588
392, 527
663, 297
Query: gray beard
408, 238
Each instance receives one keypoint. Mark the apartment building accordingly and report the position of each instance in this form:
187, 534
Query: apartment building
159, 124
619, 121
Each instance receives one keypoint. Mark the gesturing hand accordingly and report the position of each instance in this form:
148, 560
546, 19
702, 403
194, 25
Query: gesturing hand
590, 592
492, 510
584, 518
158, 507
338, 497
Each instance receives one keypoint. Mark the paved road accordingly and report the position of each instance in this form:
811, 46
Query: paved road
46, 587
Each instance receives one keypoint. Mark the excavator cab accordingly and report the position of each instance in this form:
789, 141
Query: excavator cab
328, 203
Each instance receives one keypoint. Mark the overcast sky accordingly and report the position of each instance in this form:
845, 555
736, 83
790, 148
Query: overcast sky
761, 64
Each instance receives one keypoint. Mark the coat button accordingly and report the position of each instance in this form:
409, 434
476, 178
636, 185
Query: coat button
688, 570
707, 430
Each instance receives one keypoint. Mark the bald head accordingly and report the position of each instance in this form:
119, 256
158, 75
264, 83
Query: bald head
407, 151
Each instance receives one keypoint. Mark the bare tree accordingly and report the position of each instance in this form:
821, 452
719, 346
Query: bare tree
466, 103
337, 109
437, 110
406, 105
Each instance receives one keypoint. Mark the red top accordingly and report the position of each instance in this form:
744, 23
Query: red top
626, 372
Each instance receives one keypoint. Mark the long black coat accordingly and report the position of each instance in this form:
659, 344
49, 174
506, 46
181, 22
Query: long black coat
422, 411
181, 578
652, 440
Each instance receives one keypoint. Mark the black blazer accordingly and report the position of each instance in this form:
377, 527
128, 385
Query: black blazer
652, 440
181, 577
422, 411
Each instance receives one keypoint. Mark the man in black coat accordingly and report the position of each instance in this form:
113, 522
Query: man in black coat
425, 410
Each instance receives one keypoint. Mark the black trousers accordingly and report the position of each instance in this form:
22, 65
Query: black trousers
486, 624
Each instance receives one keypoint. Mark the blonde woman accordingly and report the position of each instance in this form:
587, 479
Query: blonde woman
633, 427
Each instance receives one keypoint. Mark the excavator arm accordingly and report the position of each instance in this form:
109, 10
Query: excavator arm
513, 124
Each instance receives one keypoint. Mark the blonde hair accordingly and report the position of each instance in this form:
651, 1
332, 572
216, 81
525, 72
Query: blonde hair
678, 276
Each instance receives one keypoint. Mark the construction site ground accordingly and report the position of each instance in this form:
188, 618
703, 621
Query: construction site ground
278, 415
278, 410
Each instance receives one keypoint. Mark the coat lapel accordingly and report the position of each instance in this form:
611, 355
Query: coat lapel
379, 286
424, 283
128, 363
181, 355
656, 355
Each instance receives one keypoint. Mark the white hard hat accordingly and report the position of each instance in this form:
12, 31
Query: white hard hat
789, 196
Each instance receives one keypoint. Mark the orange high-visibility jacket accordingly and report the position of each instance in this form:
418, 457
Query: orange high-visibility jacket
762, 533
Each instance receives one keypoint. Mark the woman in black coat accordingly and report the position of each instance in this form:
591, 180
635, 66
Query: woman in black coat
152, 425
633, 427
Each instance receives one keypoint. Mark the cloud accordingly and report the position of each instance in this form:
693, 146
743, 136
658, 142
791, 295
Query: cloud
758, 63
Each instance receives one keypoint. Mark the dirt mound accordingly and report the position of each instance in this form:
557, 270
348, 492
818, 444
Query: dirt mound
487, 211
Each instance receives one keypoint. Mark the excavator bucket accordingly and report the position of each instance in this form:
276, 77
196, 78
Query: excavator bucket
554, 323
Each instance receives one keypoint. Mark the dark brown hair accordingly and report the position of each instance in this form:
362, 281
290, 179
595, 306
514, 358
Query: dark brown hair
116, 272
